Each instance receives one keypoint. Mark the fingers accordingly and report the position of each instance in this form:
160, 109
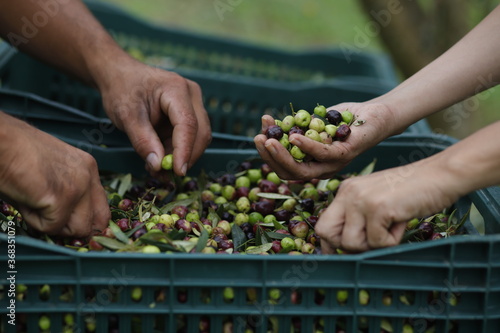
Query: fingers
204, 134
145, 140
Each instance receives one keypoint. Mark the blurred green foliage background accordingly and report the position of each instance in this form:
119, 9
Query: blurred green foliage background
299, 25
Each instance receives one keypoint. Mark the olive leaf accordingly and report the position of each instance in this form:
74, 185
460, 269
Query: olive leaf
464, 218
185, 246
238, 236
274, 196
202, 239
213, 217
259, 248
109, 243
368, 169
125, 182
277, 235
131, 232
322, 185
118, 232
278, 225
117, 214
161, 245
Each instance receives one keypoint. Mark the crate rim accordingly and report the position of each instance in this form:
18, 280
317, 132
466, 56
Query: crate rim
372, 254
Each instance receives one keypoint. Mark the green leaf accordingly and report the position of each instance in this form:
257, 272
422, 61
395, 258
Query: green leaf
202, 240
274, 196
185, 246
277, 235
369, 168
202, 180
213, 217
238, 235
408, 235
118, 232
109, 243
161, 245
260, 248
131, 232
278, 225
117, 214
322, 185
125, 182
464, 218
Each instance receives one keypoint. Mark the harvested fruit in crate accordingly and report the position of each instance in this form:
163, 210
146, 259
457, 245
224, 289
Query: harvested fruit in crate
252, 211
322, 126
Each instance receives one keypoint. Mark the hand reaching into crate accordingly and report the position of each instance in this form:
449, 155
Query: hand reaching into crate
160, 111
55, 186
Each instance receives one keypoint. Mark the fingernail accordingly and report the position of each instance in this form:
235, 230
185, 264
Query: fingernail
295, 140
153, 161
271, 148
184, 169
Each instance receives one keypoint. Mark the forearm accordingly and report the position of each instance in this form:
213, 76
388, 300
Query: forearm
472, 163
63, 34
469, 67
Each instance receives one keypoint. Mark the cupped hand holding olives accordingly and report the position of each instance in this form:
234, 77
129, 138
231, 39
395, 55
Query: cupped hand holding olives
308, 145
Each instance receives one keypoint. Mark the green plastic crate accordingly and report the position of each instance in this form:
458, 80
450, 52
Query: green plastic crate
234, 105
466, 266
179, 49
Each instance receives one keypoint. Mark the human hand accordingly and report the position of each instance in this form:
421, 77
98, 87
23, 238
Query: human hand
161, 112
54, 186
371, 211
380, 122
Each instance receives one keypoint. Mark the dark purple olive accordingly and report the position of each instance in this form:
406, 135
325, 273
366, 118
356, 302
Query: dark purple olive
334, 117
268, 186
210, 204
263, 207
227, 179
139, 233
219, 237
343, 132
274, 132
282, 215
180, 211
126, 204
276, 246
313, 239
245, 165
265, 169
296, 130
250, 235
242, 192
226, 244
196, 226
313, 219
123, 224
160, 226
190, 186
246, 227
426, 230
182, 224
307, 205
227, 216
284, 189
